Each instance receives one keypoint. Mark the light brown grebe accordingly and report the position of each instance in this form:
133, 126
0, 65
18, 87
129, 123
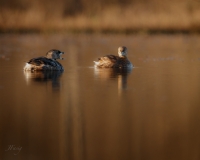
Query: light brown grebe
112, 61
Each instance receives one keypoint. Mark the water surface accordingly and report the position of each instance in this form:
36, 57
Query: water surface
151, 112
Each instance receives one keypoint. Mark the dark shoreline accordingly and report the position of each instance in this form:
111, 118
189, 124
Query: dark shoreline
103, 31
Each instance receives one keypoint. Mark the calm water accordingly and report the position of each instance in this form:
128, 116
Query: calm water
150, 113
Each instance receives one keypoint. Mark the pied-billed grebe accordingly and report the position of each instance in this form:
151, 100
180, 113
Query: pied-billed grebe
46, 63
112, 61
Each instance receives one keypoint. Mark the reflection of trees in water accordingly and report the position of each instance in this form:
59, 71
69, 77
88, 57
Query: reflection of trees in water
44, 76
114, 73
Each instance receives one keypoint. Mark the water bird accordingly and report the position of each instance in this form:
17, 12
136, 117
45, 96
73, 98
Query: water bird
49, 62
112, 61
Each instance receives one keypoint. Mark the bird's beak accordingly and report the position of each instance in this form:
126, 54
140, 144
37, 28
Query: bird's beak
61, 54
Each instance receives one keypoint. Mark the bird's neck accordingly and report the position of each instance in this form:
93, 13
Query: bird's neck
49, 57
124, 57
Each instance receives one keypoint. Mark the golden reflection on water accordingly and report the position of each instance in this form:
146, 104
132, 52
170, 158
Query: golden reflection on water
121, 75
151, 112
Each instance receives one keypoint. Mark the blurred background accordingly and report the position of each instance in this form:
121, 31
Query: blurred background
124, 16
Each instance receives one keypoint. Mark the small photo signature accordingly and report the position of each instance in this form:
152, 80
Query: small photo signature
15, 149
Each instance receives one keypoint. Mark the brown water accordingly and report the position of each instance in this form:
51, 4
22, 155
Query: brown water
150, 113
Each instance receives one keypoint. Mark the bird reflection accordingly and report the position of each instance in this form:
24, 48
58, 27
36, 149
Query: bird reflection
44, 76
121, 74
